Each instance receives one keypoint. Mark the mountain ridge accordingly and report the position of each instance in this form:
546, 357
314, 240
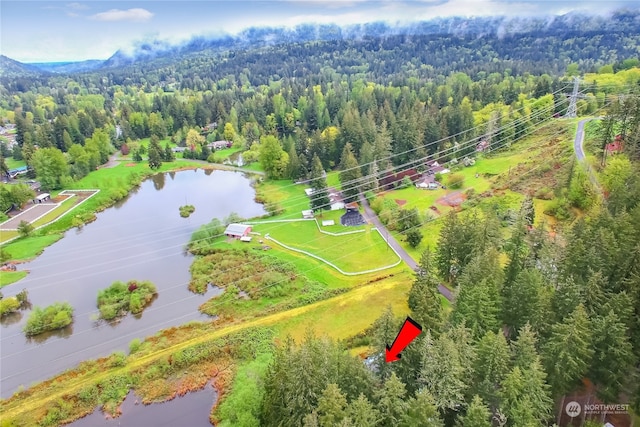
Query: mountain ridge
260, 37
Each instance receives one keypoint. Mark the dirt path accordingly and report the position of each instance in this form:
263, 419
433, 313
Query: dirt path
371, 216
114, 160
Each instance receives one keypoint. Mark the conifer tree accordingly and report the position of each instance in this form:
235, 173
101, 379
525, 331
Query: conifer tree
421, 411
477, 415
385, 329
169, 155
392, 402
568, 352
490, 367
613, 357
350, 174
320, 197
442, 373
523, 349
155, 153
331, 406
361, 412
424, 298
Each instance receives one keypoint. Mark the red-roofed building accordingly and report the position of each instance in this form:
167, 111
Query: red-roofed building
615, 146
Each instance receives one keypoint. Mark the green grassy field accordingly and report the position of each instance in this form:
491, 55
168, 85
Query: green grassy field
315, 270
347, 315
333, 180
289, 197
255, 166
27, 248
352, 253
8, 277
13, 164
491, 170
227, 152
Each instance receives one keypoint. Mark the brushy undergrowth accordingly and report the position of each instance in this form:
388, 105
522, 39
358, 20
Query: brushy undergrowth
120, 298
187, 210
55, 316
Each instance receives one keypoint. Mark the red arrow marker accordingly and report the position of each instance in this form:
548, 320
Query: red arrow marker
409, 332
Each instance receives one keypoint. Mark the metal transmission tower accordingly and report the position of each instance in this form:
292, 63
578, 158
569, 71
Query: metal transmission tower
572, 111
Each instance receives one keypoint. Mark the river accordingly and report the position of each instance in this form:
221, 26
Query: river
141, 237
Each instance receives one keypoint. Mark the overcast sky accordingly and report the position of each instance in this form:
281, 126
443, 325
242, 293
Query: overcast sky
41, 31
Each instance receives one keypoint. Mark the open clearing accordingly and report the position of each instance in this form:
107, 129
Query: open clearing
352, 252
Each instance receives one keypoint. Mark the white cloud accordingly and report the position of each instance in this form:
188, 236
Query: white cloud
328, 4
77, 6
134, 15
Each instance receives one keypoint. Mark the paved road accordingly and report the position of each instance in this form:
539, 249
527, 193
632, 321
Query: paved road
578, 148
371, 216
579, 139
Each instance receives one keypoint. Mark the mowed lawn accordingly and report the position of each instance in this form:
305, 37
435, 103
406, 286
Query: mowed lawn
352, 253
289, 197
14, 164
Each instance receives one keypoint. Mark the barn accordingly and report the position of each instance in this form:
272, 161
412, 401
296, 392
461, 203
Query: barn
237, 230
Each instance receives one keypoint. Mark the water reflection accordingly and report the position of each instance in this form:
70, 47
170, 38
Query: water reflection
65, 333
190, 410
158, 181
11, 318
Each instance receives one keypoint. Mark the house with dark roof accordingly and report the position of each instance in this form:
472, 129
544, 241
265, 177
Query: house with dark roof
237, 230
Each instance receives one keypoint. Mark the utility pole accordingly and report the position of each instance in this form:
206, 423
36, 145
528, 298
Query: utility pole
572, 111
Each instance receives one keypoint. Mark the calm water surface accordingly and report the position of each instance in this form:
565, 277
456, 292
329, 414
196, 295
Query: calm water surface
191, 410
143, 238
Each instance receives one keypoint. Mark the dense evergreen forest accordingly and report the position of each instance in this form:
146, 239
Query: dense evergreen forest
535, 316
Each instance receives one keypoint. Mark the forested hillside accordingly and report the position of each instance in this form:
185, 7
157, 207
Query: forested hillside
538, 313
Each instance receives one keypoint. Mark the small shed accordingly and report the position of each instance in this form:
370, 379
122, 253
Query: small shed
308, 191
328, 222
335, 200
42, 198
237, 230
308, 214
246, 239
